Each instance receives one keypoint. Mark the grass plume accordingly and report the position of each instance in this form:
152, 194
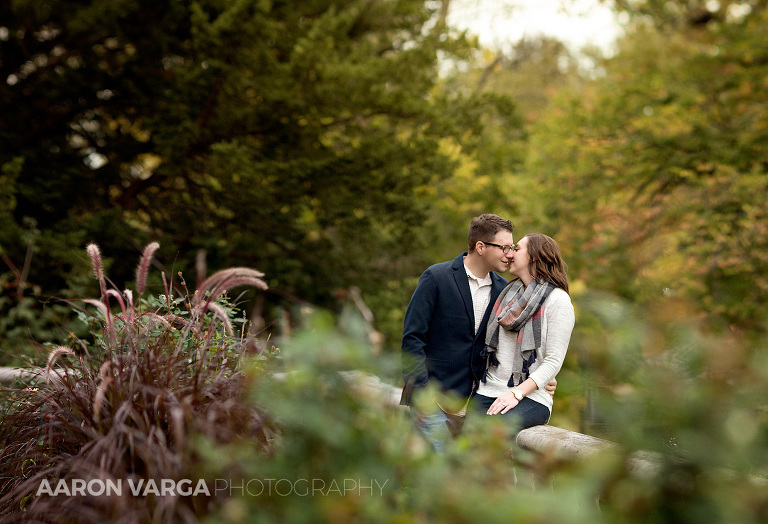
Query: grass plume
142, 270
97, 263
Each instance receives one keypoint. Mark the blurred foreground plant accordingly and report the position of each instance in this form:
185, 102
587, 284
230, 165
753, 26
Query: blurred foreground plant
345, 452
661, 384
662, 380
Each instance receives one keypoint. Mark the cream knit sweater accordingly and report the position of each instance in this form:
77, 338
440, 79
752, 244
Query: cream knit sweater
556, 327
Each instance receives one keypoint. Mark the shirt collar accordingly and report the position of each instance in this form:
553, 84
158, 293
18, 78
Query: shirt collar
482, 281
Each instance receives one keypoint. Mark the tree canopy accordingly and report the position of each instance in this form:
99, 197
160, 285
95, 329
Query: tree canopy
293, 136
667, 153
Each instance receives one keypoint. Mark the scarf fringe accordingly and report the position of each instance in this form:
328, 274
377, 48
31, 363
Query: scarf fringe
527, 363
491, 360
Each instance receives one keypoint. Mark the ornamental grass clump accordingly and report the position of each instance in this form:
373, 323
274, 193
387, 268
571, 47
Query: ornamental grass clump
161, 375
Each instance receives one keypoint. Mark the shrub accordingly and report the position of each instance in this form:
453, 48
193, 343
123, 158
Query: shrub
660, 386
131, 405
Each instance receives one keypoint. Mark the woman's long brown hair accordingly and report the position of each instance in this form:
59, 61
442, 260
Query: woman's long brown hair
546, 262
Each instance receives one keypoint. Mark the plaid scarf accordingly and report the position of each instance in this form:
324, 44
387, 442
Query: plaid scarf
518, 309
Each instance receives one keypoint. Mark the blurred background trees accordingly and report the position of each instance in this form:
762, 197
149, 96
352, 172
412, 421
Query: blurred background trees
337, 144
298, 137
667, 151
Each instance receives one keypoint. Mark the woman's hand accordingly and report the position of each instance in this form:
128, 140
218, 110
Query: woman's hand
503, 404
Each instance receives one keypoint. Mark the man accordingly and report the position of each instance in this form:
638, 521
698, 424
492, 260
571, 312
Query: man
444, 328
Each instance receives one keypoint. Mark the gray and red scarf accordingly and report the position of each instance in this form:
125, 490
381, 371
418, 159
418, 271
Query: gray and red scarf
518, 309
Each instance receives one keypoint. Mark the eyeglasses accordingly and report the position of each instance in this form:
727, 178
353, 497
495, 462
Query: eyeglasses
504, 249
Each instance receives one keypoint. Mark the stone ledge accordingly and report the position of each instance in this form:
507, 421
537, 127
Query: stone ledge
563, 442
8, 376
571, 445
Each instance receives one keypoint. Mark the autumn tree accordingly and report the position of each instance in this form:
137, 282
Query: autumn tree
654, 176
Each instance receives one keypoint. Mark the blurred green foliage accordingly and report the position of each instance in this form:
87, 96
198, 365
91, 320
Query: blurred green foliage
705, 458
348, 442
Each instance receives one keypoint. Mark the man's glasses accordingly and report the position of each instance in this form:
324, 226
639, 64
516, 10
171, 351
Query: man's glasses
504, 249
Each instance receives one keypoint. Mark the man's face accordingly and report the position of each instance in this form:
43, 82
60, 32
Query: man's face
494, 256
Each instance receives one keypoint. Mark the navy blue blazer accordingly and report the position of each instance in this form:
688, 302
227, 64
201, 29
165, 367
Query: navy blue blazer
439, 340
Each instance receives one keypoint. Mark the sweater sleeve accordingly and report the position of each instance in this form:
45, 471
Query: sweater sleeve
560, 320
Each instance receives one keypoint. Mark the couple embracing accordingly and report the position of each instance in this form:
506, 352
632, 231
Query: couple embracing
494, 345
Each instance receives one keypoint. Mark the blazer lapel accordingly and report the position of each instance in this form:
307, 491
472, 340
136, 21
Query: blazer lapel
462, 282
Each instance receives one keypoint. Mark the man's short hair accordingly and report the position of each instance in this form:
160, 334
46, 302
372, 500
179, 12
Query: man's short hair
485, 227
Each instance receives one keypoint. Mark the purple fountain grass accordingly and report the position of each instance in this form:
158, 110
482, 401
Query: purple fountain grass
52, 359
167, 291
127, 308
226, 279
142, 270
55, 354
218, 284
102, 307
98, 398
133, 409
109, 325
129, 301
129, 419
98, 266
222, 315
153, 318
119, 298
222, 281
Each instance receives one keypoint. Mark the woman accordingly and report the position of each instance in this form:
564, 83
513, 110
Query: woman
528, 335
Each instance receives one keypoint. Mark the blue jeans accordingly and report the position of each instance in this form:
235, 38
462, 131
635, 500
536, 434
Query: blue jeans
437, 427
526, 414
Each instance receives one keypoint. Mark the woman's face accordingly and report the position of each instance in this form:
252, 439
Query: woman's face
519, 261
